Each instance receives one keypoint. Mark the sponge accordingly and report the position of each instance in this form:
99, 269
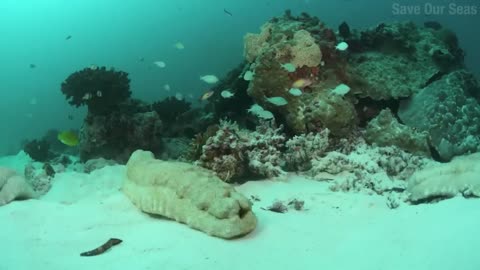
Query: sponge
188, 194
13, 187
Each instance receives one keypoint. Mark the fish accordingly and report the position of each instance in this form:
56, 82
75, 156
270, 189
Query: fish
179, 96
341, 89
141, 59
301, 83
260, 112
33, 101
87, 96
70, 117
206, 95
160, 64
342, 46
211, 79
227, 94
68, 137
248, 76
295, 92
93, 67
68, 37
227, 12
179, 45
166, 87
277, 101
32, 66
99, 93
289, 67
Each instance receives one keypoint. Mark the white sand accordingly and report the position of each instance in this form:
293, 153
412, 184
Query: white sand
337, 231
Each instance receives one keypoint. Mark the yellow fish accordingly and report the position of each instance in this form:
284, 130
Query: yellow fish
206, 95
69, 138
179, 46
301, 83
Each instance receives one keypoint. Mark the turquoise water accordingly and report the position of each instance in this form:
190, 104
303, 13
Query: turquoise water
305, 144
120, 33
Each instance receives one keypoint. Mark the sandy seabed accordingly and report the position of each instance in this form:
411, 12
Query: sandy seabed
335, 231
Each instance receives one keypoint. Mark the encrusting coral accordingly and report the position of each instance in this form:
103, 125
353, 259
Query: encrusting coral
309, 47
449, 112
385, 130
116, 135
396, 60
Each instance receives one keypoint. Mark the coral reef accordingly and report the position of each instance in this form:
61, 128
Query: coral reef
396, 60
306, 44
170, 108
370, 169
175, 148
224, 152
100, 89
235, 107
38, 150
233, 153
265, 157
96, 164
325, 109
188, 194
116, 135
447, 110
385, 130
39, 178
406, 97
301, 149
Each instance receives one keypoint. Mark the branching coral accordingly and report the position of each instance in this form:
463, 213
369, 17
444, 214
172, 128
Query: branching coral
264, 155
368, 169
233, 152
301, 149
224, 152
98, 88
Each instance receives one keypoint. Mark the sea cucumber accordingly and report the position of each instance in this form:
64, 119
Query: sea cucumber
101, 249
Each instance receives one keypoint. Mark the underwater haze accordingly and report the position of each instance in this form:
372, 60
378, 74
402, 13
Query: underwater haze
239, 134
45, 41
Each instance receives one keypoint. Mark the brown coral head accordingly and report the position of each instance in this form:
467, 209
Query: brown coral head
307, 73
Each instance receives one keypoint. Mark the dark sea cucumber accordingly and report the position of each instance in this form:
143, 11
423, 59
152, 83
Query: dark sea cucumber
101, 249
